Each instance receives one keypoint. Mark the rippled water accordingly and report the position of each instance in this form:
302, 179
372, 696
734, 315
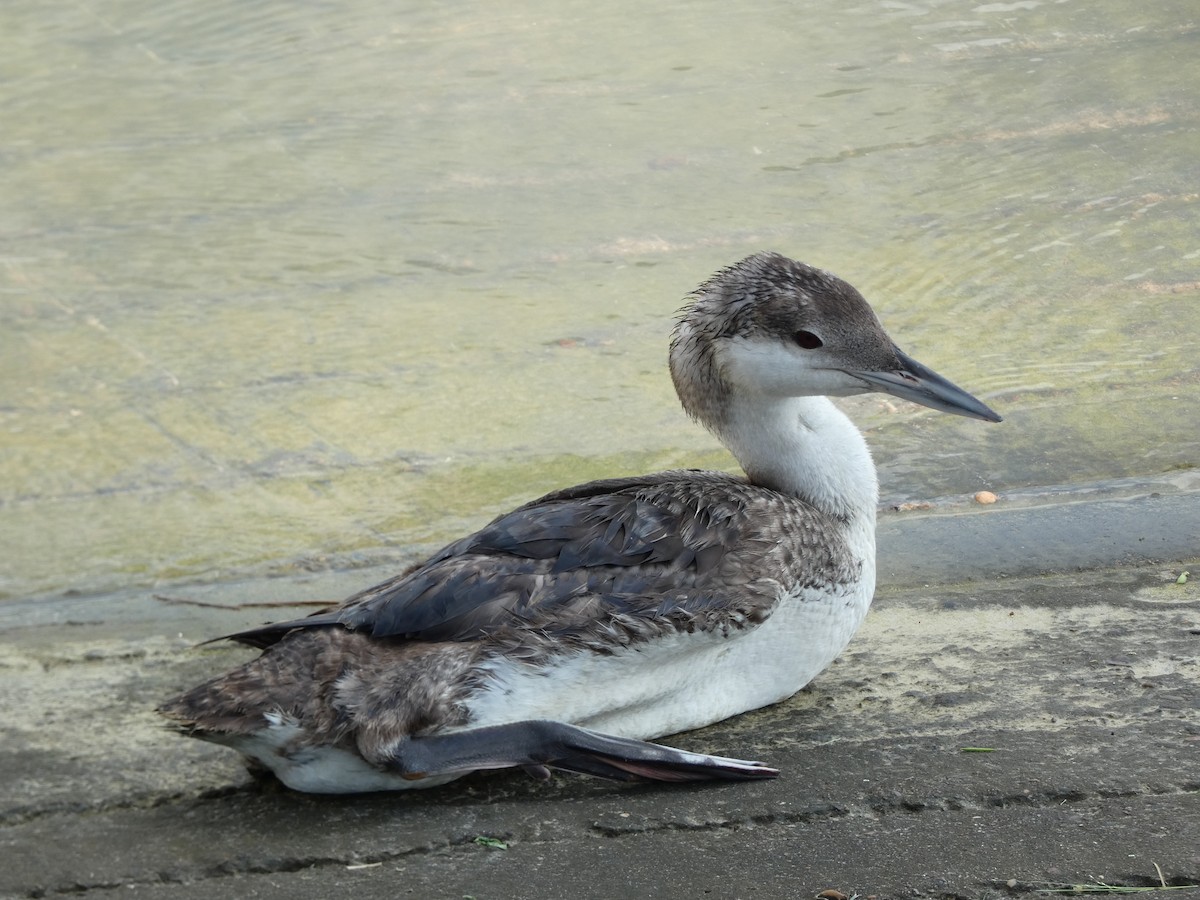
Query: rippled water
283, 283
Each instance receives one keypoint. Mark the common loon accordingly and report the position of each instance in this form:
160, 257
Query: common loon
569, 631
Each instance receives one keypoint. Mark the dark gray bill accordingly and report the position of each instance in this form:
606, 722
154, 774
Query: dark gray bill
920, 384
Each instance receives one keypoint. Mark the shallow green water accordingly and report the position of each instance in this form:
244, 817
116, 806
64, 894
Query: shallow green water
288, 284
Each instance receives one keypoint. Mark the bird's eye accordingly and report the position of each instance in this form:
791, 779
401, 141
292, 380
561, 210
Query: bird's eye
806, 340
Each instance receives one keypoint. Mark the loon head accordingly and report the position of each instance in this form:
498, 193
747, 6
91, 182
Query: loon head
769, 326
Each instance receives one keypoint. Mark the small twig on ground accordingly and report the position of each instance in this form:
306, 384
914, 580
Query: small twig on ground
1099, 887
269, 604
1158, 869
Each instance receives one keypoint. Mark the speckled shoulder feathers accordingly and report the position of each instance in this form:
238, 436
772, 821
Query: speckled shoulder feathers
610, 561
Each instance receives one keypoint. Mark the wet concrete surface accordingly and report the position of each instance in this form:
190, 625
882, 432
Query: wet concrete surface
1006, 722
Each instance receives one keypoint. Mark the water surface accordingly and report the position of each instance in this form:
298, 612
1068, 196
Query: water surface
314, 284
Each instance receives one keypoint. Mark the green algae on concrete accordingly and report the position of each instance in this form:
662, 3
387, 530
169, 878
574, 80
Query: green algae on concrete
1084, 684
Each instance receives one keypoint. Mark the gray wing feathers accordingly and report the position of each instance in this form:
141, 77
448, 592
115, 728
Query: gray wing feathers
677, 545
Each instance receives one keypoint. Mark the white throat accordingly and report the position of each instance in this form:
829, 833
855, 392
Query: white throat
806, 447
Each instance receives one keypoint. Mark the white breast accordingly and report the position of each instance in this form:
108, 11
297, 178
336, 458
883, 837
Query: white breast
684, 681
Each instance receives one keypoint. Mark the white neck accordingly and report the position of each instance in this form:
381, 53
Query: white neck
806, 447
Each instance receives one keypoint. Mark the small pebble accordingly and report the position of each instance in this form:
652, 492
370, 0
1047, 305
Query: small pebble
985, 497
